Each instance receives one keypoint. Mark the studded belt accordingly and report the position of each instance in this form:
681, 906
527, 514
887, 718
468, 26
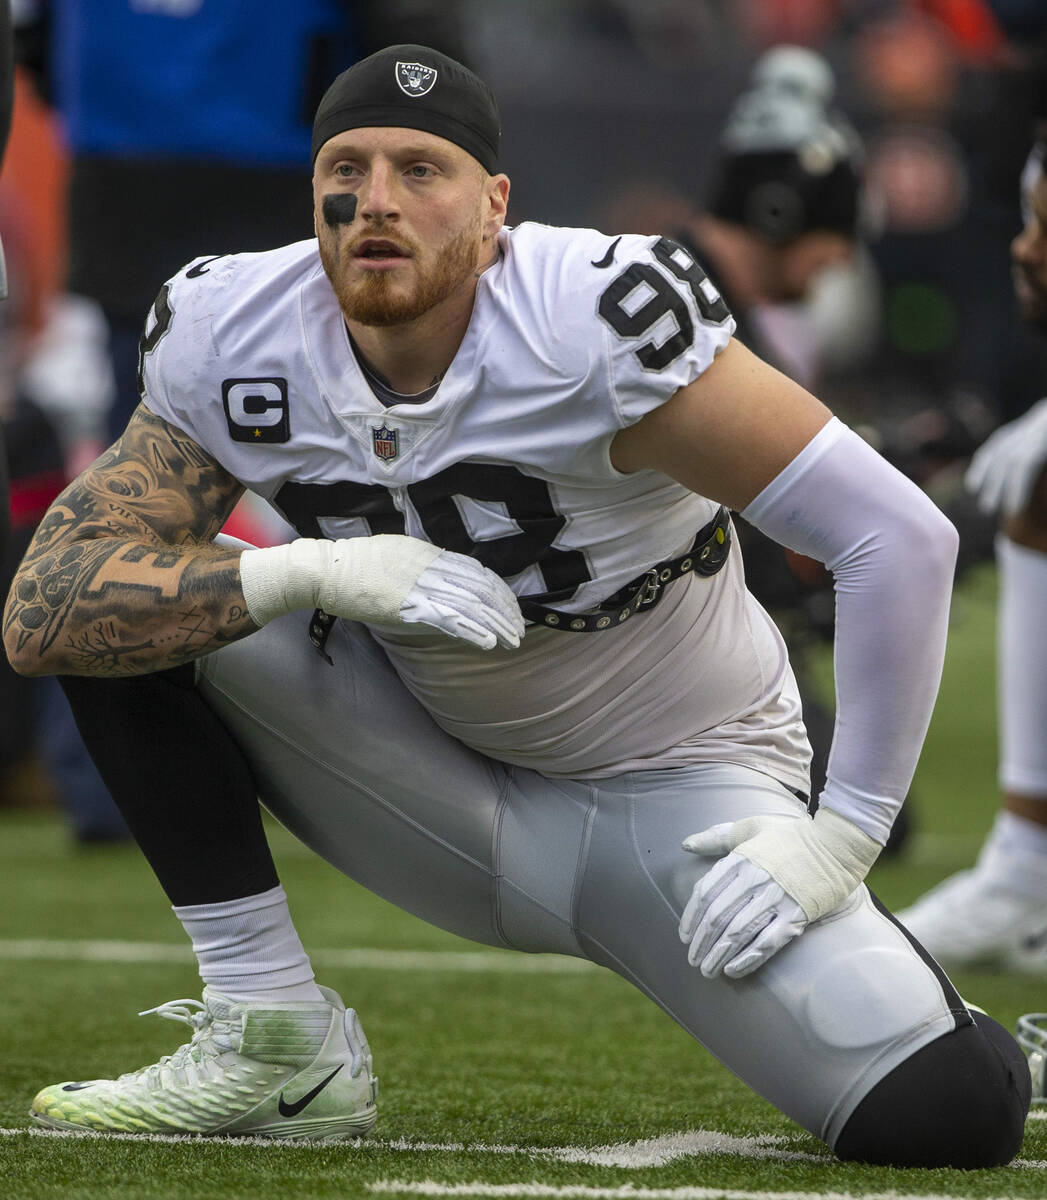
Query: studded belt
706, 556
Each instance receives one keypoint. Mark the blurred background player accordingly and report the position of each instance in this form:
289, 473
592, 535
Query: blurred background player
784, 198
996, 913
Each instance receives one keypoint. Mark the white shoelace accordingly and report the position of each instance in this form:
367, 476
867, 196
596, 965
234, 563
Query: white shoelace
195, 1014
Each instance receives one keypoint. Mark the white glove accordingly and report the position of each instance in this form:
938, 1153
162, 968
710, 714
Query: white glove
386, 579
784, 872
1005, 468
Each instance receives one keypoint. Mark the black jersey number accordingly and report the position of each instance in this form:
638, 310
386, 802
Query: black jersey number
527, 501
664, 300
161, 315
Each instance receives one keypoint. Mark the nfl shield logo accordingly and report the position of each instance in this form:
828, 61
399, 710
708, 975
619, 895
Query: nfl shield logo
415, 79
386, 442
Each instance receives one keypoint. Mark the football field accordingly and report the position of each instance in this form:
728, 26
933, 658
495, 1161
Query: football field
501, 1075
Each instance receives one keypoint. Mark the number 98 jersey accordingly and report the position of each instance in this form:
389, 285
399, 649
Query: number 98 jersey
573, 336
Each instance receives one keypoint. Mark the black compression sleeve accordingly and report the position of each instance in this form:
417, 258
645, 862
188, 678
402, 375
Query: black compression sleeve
180, 782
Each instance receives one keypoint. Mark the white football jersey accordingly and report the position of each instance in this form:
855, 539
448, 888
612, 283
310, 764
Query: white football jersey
574, 336
508, 461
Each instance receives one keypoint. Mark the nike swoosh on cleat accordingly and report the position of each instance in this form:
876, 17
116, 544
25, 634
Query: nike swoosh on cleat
201, 268
1035, 941
608, 258
74, 1087
296, 1106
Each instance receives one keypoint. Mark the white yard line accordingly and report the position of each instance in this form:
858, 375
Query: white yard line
498, 961
430, 1187
649, 1152
655, 1152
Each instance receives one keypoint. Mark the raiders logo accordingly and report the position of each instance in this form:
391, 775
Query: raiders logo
415, 79
257, 410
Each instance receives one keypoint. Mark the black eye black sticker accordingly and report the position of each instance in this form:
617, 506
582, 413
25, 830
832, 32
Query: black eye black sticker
339, 208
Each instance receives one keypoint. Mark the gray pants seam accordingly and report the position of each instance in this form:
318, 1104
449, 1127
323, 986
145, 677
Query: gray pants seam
584, 845
497, 876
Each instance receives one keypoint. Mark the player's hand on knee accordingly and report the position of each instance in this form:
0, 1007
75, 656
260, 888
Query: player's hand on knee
1005, 468
737, 917
387, 579
776, 874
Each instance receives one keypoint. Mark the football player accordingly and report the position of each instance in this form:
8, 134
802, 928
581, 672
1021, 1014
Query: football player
509, 676
995, 915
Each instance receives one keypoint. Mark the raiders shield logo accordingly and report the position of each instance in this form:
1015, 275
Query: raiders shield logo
415, 79
386, 442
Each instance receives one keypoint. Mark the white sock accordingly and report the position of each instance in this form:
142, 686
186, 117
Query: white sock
248, 949
1022, 668
1018, 835
1015, 855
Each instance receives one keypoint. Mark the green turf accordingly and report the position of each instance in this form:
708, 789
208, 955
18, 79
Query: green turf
533, 1061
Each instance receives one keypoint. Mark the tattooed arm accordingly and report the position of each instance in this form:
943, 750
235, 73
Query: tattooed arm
122, 576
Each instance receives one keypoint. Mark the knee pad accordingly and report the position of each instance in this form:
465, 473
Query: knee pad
960, 1101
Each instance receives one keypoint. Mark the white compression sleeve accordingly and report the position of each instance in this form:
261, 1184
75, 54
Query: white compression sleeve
892, 554
1022, 668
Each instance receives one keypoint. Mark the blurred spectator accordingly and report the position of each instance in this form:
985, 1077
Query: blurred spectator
806, 22
928, 79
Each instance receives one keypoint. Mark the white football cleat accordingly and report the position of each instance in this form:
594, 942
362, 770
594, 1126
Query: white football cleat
974, 919
252, 1069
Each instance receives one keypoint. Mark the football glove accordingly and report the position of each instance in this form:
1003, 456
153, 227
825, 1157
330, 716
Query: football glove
779, 874
1004, 470
386, 579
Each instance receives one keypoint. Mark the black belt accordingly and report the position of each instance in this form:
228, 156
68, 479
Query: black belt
707, 554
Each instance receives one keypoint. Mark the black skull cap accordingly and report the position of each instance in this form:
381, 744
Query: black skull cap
415, 87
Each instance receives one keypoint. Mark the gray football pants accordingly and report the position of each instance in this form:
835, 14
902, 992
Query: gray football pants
350, 762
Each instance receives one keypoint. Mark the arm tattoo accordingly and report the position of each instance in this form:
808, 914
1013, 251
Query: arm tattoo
121, 576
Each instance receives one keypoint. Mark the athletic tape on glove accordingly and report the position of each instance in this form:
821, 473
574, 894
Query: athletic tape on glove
779, 874
386, 579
